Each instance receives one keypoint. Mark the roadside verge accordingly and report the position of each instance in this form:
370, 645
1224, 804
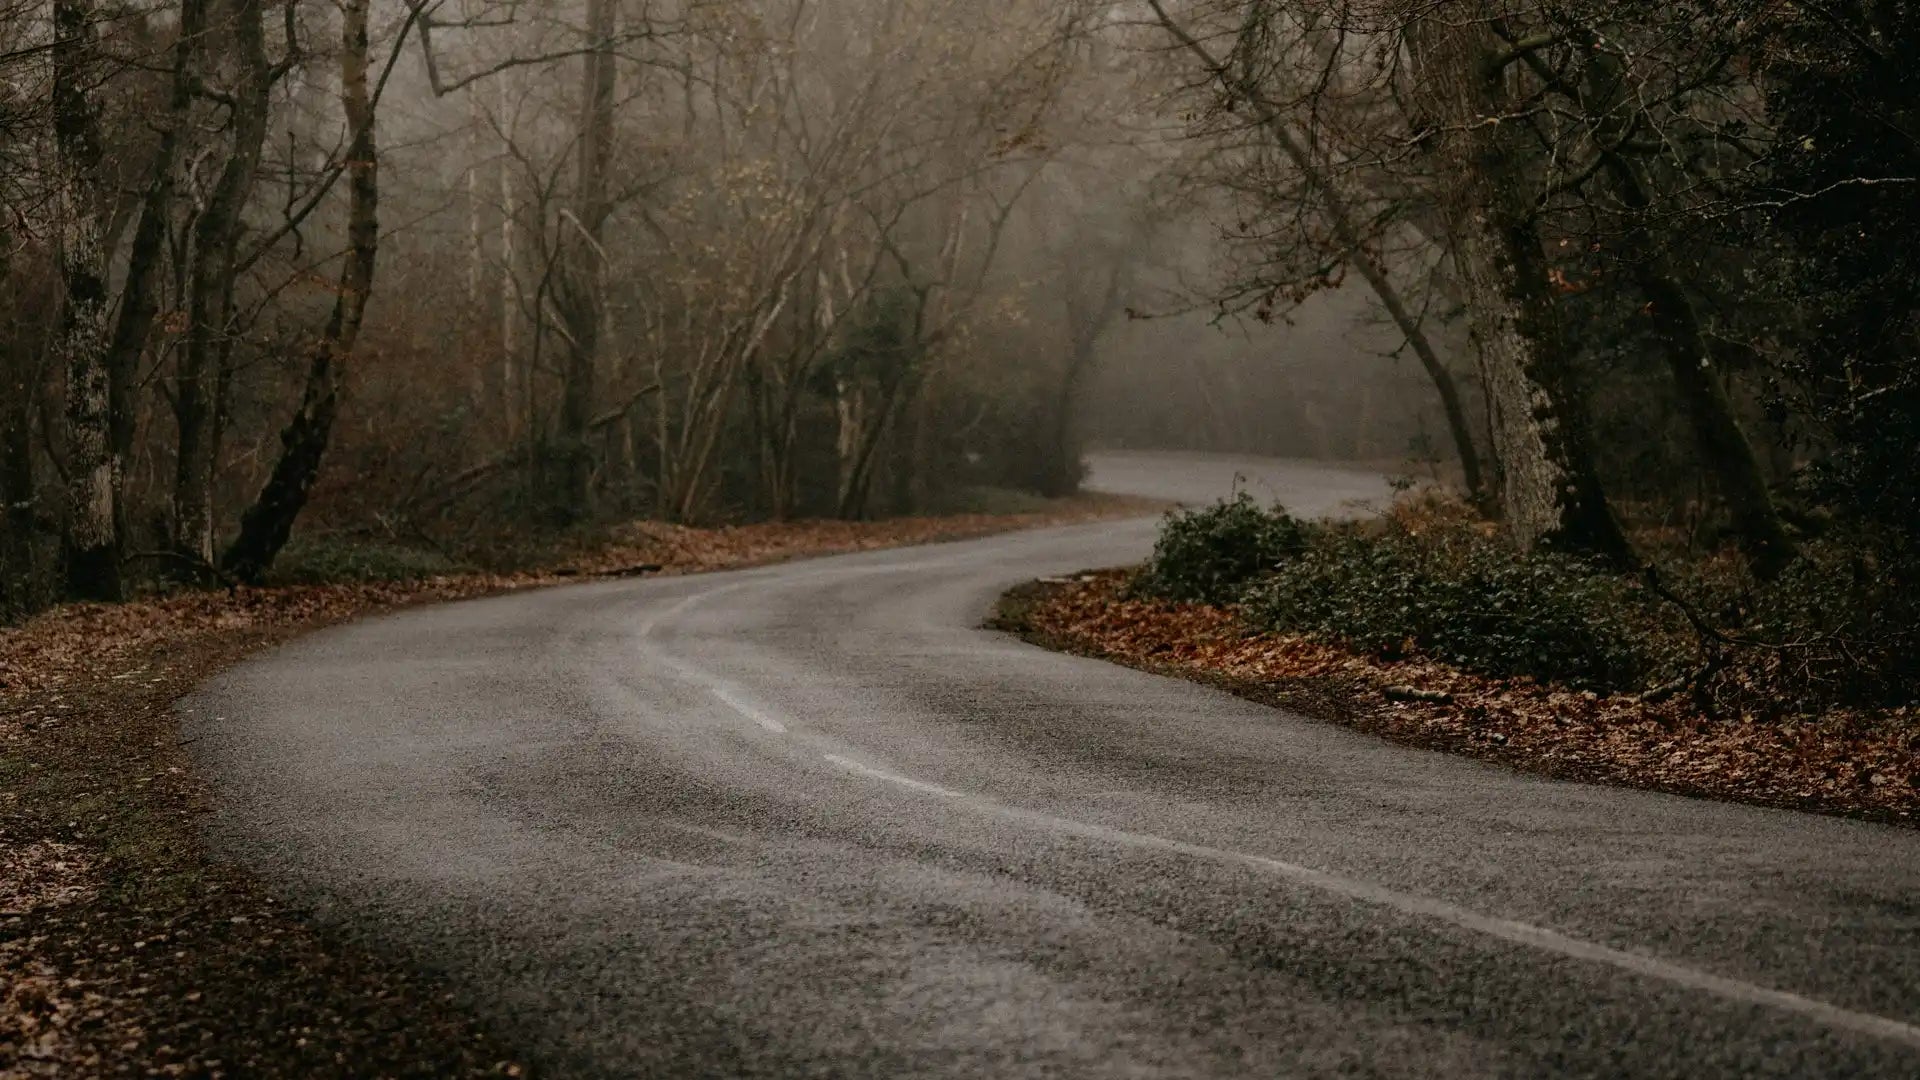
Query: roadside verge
1833, 765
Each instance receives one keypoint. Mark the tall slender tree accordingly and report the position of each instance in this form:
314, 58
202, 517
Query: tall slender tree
266, 525
584, 303
92, 548
248, 79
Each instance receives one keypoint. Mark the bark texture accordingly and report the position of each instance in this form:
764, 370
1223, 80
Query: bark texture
267, 524
92, 543
1549, 493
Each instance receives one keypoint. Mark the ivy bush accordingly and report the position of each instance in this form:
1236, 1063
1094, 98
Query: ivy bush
1839, 628
1466, 600
1207, 556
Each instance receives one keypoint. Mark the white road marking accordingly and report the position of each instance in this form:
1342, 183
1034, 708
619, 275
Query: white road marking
750, 711
719, 688
654, 620
895, 778
1518, 933
700, 677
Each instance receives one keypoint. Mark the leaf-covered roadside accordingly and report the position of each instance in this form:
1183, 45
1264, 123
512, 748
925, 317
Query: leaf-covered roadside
1845, 762
127, 949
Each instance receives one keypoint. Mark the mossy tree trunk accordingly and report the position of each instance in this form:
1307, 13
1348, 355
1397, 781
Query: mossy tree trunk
1549, 491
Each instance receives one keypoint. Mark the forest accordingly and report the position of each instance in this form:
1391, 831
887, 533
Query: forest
499, 501
1636, 282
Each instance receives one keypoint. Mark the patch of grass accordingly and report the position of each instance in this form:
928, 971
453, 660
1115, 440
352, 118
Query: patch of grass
1473, 602
328, 559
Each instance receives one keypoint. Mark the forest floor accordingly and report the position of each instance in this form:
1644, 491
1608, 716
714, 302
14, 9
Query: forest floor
1852, 764
127, 948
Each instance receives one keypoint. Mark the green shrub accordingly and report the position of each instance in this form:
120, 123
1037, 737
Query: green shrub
1839, 628
1208, 555
1469, 600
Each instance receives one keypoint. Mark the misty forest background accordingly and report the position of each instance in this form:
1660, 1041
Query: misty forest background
1638, 281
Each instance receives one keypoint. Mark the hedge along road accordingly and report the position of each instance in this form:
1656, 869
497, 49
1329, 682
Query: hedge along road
809, 820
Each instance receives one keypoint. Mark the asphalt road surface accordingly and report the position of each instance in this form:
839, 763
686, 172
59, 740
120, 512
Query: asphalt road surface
810, 821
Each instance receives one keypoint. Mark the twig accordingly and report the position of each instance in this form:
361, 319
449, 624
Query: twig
1690, 680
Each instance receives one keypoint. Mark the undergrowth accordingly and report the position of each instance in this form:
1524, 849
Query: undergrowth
1208, 556
1840, 628
323, 559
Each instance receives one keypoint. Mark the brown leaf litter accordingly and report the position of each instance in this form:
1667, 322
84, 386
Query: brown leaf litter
1848, 762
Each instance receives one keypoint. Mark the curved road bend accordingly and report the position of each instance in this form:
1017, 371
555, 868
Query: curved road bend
808, 820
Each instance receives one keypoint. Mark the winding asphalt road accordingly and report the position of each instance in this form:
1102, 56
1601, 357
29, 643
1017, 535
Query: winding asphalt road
809, 821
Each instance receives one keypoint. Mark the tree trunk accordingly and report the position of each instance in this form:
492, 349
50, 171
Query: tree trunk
1550, 495
139, 292
510, 313
92, 546
211, 287
849, 410
1717, 433
918, 462
20, 590
267, 524
585, 307
1062, 476
860, 444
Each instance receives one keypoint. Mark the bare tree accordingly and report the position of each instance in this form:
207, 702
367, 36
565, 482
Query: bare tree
581, 300
245, 76
1355, 240
267, 524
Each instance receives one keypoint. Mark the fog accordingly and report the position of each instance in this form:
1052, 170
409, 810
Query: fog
428, 269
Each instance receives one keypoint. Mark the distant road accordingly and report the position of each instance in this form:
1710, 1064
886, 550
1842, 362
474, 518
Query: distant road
1310, 489
808, 820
